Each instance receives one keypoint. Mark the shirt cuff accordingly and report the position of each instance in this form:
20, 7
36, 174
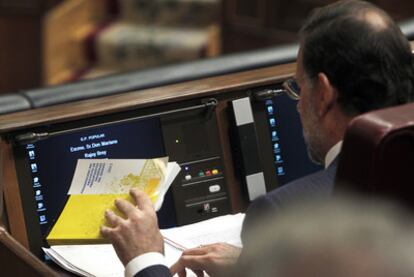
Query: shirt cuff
143, 261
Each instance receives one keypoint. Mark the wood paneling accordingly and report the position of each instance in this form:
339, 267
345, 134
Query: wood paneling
19, 52
262, 23
20, 47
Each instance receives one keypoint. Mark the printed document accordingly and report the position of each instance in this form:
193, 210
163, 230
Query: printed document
95, 186
101, 260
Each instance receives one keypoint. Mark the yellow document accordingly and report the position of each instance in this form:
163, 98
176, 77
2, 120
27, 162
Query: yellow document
96, 185
82, 217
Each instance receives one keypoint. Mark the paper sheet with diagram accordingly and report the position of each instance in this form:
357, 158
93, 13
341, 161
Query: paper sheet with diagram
117, 176
82, 259
95, 186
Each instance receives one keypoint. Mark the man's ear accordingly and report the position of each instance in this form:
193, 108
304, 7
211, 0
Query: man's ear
327, 94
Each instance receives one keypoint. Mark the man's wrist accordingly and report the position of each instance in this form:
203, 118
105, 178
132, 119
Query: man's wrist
143, 261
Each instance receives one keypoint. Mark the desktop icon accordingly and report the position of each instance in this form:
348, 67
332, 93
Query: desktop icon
40, 205
36, 182
38, 192
274, 136
270, 110
280, 171
34, 167
42, 218
31, 154
272, 122
278, 158
276, 148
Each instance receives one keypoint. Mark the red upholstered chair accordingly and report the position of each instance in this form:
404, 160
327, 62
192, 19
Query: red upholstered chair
377, 156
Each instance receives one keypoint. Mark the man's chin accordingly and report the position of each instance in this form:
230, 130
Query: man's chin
312, 147
315, 158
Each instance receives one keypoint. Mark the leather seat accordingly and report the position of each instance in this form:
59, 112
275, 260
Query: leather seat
377, 157
13, 103
160, 76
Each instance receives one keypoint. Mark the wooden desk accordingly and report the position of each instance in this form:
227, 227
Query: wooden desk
223, 88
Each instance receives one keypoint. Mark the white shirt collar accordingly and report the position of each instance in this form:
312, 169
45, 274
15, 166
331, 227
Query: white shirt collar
332, 154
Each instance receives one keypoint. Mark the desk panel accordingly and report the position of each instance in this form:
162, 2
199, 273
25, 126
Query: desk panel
140, 103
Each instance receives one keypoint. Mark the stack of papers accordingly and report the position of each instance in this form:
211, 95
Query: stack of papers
95, 186
224, 228
101, 260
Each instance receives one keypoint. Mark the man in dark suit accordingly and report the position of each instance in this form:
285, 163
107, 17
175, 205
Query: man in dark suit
353, 58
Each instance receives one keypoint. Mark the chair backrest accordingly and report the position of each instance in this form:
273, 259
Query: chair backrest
377, 156
15, 260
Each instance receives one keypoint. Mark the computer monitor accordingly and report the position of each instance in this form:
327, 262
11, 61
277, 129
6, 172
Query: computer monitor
267, 141
189, 136
49, 164
291, 160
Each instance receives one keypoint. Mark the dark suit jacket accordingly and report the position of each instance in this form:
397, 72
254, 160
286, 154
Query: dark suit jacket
319, 184
154, 271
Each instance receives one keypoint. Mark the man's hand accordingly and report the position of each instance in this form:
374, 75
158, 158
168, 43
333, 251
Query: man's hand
214, 259
138, 233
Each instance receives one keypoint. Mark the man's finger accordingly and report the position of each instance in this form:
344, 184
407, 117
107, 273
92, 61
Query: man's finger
199, 272
188, 261
125, 207
112, 219
141, 199
201, 250
182, 273
178, 268
106, 231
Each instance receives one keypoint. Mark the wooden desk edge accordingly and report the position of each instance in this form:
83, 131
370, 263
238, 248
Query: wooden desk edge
144, 98
13, 201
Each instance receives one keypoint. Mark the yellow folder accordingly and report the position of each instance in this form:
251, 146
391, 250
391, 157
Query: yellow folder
84, 213
82, 217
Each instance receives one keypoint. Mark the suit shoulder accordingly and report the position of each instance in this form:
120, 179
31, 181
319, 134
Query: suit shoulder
319, 183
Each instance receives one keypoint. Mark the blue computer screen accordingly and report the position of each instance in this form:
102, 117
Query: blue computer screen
52, 161
288, 148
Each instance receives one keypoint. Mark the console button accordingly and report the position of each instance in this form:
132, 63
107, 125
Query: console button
214, 188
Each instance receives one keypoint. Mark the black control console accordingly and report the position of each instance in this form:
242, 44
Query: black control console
200, 191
